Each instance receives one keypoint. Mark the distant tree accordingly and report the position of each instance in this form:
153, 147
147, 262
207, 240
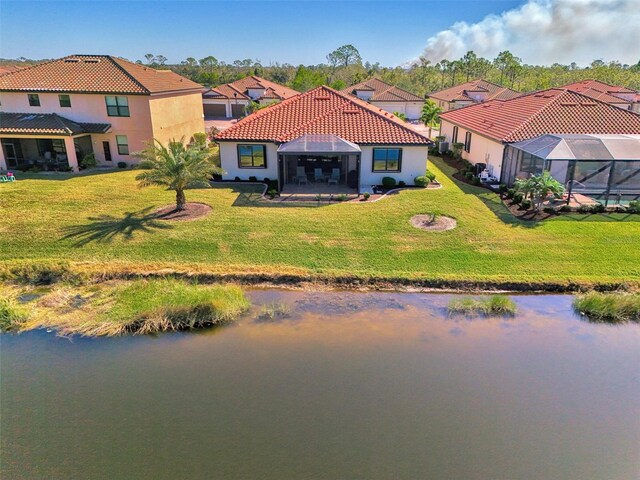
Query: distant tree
149, 57
159, 59
469, 64
209, 63
176, 166
190, 62
344, 56
306, 79
508, 64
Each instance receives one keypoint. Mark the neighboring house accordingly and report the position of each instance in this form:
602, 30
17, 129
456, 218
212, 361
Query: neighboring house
319, 134
388, 97
485, 129
469, 93
53, 114
605, 168
231, 99
622, 97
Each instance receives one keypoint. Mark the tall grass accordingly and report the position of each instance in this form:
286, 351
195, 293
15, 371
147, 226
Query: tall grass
609, 307
493, 305
137, 307
12, 314
273, 311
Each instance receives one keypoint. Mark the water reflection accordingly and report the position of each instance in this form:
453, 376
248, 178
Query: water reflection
349, 385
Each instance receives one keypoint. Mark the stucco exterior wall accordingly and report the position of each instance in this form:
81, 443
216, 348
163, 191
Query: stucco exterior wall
176, 116
414, 163
483, 149
229, 162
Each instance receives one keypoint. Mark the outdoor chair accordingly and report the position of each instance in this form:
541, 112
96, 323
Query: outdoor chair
318, 176
335, 176
301, 175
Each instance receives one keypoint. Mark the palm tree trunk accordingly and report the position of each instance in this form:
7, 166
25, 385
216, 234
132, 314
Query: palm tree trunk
180, 200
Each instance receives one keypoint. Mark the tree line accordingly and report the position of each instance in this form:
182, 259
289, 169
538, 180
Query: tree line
345, 66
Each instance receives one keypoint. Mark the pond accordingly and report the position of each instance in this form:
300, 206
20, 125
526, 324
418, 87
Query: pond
350, 385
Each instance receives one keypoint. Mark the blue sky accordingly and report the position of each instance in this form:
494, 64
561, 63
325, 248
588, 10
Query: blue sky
294, 32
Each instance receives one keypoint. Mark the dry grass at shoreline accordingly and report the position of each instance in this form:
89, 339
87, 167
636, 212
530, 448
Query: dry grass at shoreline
129, 307
493, 305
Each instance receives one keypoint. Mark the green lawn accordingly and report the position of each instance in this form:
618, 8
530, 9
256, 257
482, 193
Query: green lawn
104, 222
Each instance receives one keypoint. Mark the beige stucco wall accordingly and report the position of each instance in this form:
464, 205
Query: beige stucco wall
162, 116
483, 149
229, 162
414, 161
176, 116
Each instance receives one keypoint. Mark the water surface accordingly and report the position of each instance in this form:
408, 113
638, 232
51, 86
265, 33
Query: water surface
351, 386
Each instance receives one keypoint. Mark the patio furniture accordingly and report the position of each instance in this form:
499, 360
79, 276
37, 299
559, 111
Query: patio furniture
335, 177
318, 176
301, 176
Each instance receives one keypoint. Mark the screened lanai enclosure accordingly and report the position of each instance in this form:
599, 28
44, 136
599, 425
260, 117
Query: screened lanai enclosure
605, 168
319, 163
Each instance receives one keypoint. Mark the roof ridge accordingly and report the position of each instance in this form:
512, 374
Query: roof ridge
121, 68
61, 121
262, 112
393, 119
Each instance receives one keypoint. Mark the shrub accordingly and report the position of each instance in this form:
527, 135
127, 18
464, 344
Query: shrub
476, 180
388, 182
597, 208
237, 179
634, 206
511, 192
430, 176
273, 185
122, 164
366, 196
253, 179
609, 307
549, 210
266, 180
402, 183
566, 208
503, 188
342, 197
12, 315
584, 209
88, 161
456, 148
525, 204
420, 181
272, 194
469, 176
517, 199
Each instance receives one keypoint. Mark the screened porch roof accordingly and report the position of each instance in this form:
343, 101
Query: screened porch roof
582, 147
318, 143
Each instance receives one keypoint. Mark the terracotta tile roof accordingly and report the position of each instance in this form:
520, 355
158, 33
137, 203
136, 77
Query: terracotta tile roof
383, 92
457, 92
94, 74
604, 92
324, 111
273, 91
548, 111
46, 124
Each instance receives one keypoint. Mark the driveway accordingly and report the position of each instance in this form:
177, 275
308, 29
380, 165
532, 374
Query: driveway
221, 123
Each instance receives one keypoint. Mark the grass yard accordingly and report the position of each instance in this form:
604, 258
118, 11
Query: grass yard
105, 223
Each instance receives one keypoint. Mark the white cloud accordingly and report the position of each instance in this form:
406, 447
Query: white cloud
548, 31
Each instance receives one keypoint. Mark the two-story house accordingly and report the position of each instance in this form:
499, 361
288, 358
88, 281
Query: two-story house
54, 113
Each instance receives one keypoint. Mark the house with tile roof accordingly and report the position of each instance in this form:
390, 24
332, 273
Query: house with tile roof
323, 137
54, 113
617, 96
231, 99
469, 93
483, 130
388, 97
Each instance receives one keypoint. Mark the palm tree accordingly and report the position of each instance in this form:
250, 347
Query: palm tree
539, 187
430, 114
177, 166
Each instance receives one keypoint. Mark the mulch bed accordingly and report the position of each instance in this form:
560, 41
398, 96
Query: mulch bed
192, 211
530, 215
438, 224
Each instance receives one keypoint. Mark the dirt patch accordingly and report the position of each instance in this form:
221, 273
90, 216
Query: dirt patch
430, 223
192, 211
